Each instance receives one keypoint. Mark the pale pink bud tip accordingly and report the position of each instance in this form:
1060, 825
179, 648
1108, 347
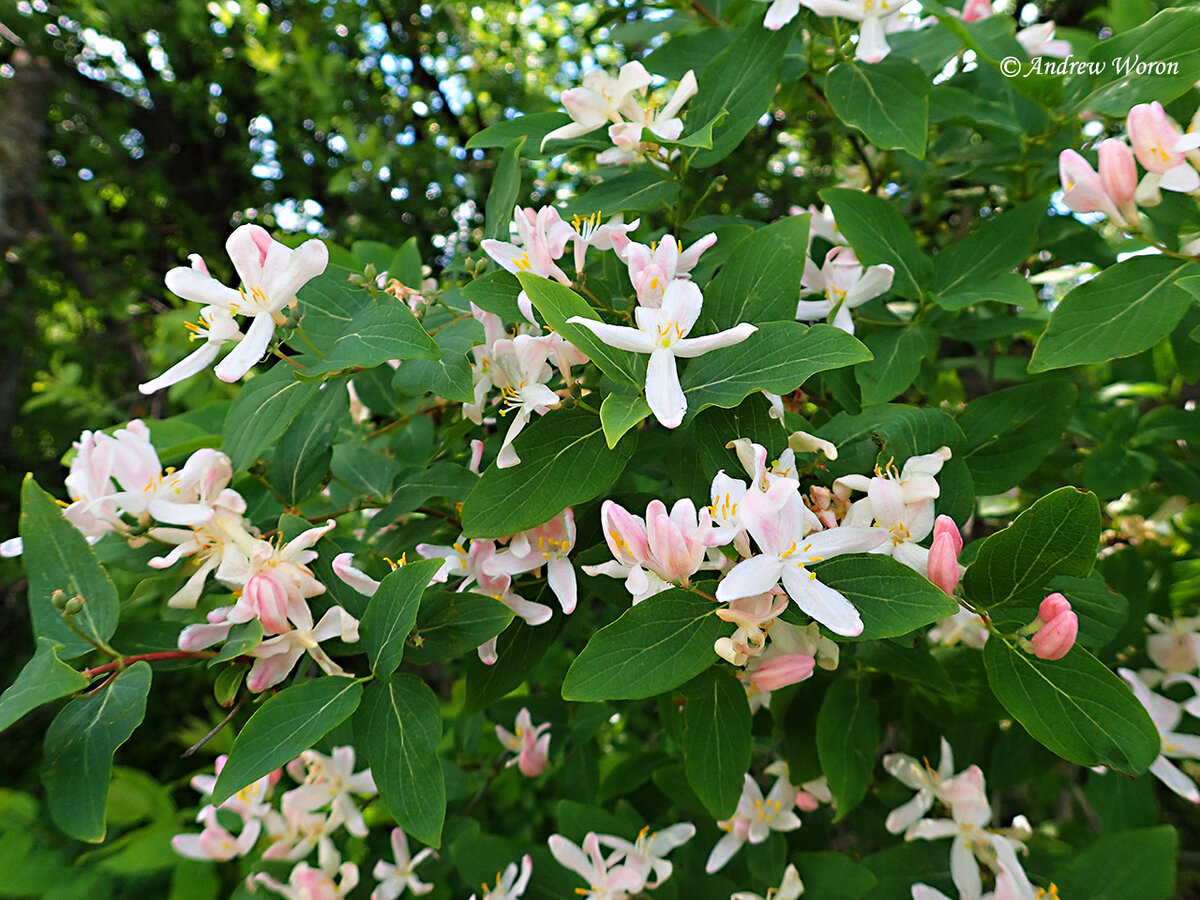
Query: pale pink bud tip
780, 671
1053, 606
1057, 637
943, 554
806, 802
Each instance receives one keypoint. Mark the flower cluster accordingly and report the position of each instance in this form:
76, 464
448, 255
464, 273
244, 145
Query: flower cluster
630, 867
843, 281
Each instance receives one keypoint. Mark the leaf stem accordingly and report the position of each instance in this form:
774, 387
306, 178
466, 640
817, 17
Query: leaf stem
119, 664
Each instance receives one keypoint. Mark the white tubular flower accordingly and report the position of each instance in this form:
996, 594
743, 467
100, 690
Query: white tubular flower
395, 878
846, 284
1175, 645
925, 781
1166, 715
664, 123
529, 743
601, 99
216, 327
547, 545
520, 369
872, 40
271, 273
1038, 40
330, 781
652, 268
662, 334
542, 238
646, 857
789, 889
605, 880
754, 820
510, 886
307, 883
275, 657
589, 232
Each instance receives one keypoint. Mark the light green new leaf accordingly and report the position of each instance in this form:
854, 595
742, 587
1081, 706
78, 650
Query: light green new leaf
879, 234
1009, 432
58, 558
1168, 41
1058, 535
637, 191
847, 737
564, 460
619, 413
1124, 310
302, 455
506, 187
79, 749
779, 357
1074, 706
760, 282
391, 613
451, 624
283, 727
384, 330
262, 410
742, 79
557, 303
892, 599
716, 740
897, 354
653, 647
399, 726
887, 101
44, 678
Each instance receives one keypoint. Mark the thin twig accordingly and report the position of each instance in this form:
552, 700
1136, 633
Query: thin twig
125, 661
225, 721
704, 11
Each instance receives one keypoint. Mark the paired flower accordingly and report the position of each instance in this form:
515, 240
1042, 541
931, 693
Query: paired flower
529, 742
846, 284
1056, 628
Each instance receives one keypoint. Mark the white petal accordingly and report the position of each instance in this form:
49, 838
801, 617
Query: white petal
190, 365
620, 336
663, 393
690, 347
822, 602
750, 577
249, 351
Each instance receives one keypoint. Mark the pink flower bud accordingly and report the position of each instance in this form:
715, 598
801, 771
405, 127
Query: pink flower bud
780, 671
625, 534
943, 554
1118, 173
806, 802
268, 597
1083, 191
1052, 607
974, 10
1054, 639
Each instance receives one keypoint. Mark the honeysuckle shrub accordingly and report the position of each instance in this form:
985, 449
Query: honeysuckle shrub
662, 547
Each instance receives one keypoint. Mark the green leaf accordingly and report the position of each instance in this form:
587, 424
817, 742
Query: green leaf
557, 303
564, 460
1074, 706
1009, 432
364, 470
44, 678
892, 599
79, 749
448, 376
519, 648
1000, 244
243, 637
887, 101
879, 234
451, 624
1167, 42
503, 134
1129, 865
416, 485
1113, 469
496, 292
1058, 535
384, 330
741, 79
392, 612
1102, 612
399, 726
58, 558
847, 737
329, 303
716, 740
639, 191
897, 353
701, 138
284, 726
262, 410
779, 357
1124, 310
619, 413
302, 455
506, 187
655, 646
405, 264
1004, 288
760, 282
833, 876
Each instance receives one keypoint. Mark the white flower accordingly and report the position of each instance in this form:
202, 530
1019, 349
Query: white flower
647, 855
872, 42
1166, 715
601, 99
924, 780
662, 333
395, 878
754, 819
846, 284
789, 889
606, 881
509, 886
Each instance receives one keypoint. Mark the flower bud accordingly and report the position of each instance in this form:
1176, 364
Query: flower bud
72, 606
780, 671
943, 554
1083, 191
1118, 174
1055, 638
806, 802
268, 597
1054, 605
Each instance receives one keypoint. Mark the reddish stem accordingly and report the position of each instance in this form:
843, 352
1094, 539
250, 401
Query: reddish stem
148, 657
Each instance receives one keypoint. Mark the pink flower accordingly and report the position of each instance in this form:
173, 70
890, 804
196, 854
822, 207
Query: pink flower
1084, 189
780, 671
529, 743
